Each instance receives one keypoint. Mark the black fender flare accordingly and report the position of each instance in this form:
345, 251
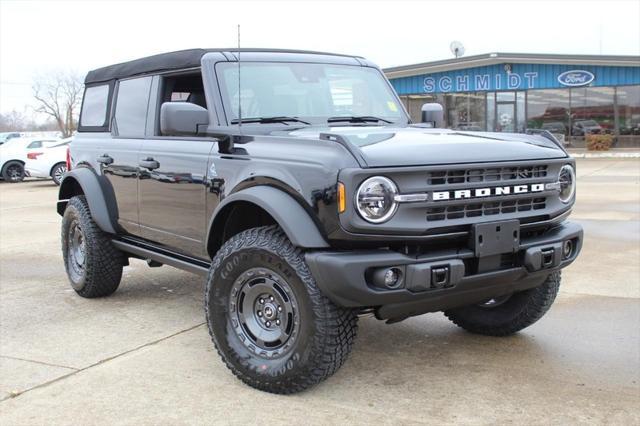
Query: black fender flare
285, 210
103, 213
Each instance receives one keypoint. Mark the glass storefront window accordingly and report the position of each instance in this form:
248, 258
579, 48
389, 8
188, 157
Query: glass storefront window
520, 112
548, 110
628, 101
465, 111
570, 113
592, 111
413, 104
491, 111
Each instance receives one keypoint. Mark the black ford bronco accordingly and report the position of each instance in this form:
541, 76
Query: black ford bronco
297, 185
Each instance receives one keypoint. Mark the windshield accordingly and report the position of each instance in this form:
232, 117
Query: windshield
590, 123
311, 92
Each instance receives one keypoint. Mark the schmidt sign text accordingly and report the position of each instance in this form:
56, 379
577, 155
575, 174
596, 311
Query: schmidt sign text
480, 82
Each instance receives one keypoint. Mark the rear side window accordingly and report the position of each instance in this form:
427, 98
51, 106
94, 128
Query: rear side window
94, 106
131, 107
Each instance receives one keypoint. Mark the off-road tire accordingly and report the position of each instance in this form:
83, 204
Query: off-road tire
101, 271
13, 172
326, 331
519, 311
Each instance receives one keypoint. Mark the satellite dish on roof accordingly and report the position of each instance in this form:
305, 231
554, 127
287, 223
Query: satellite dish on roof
456, 48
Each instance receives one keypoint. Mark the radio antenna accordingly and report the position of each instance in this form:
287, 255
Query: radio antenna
239, 87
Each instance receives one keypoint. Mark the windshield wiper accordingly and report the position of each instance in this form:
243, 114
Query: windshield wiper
357, 119
267, 120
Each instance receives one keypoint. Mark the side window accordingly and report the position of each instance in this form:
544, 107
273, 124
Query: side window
94, 106
35, 144
131, 107
182, 88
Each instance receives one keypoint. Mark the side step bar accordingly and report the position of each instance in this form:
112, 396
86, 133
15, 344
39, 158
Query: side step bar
146, 251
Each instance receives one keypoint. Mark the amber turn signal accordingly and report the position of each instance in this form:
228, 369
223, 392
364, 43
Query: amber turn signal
342, 198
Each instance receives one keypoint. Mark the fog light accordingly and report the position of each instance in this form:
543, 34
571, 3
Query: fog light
567, 249
388, 278
391, 277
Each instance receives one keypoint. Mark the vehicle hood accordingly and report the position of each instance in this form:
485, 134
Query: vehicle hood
414, 146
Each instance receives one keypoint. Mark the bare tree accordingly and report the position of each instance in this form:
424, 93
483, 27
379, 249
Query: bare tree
59, 96
13, 121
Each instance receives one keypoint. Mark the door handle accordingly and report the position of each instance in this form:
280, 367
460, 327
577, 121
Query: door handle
149, 163
105, 159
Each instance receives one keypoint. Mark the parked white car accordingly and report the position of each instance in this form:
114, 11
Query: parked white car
13, 155
6, 136
49, 162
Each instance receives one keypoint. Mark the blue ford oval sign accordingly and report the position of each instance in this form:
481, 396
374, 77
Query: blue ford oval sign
576, 78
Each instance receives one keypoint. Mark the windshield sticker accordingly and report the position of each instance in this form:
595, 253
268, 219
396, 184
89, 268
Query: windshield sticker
392, 106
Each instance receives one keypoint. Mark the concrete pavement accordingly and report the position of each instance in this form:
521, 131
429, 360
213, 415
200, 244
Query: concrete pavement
143, 356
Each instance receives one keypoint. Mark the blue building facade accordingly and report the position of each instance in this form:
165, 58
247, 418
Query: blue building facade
520, 77
571, 95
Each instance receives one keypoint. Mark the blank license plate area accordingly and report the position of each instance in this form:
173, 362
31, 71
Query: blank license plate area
496, 237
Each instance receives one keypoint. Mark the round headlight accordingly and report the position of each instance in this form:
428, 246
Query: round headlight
375, 199
567, 180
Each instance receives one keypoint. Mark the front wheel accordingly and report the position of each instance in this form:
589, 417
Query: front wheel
269, 322
506, 315
13, 172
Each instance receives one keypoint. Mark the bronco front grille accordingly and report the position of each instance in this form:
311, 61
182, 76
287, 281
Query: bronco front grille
478, 209
492, 174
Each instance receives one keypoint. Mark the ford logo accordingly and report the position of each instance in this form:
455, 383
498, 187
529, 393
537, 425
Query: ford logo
576, 78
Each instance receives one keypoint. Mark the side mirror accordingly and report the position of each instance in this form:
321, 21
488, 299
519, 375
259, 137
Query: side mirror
182, 118
432, 114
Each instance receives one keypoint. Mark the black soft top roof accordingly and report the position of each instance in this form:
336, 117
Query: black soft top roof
181, 59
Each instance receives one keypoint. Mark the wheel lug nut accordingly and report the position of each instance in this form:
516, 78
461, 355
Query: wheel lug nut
268, 324
271, 298
279, 308
259, 313
277, 322
261, 301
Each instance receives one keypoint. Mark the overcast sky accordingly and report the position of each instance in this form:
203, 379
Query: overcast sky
40, 37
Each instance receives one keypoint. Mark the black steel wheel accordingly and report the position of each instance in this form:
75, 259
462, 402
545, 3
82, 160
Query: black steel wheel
57, 172
76, 253
271, 325
264, 311
93, 264
13, 172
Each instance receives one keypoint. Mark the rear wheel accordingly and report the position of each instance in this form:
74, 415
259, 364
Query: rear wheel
269, 322
13, 172
93, 264
505, 315
57, 172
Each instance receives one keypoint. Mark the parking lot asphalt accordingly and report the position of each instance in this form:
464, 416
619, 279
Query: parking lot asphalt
143, 356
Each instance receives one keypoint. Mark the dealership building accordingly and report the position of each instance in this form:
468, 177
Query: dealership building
569, 95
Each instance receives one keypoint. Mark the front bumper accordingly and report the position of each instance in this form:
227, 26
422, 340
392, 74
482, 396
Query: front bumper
345, 277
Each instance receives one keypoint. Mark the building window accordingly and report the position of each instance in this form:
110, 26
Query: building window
628, 102
548, 110
592, 111
413, 104
466, 111
491, 111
